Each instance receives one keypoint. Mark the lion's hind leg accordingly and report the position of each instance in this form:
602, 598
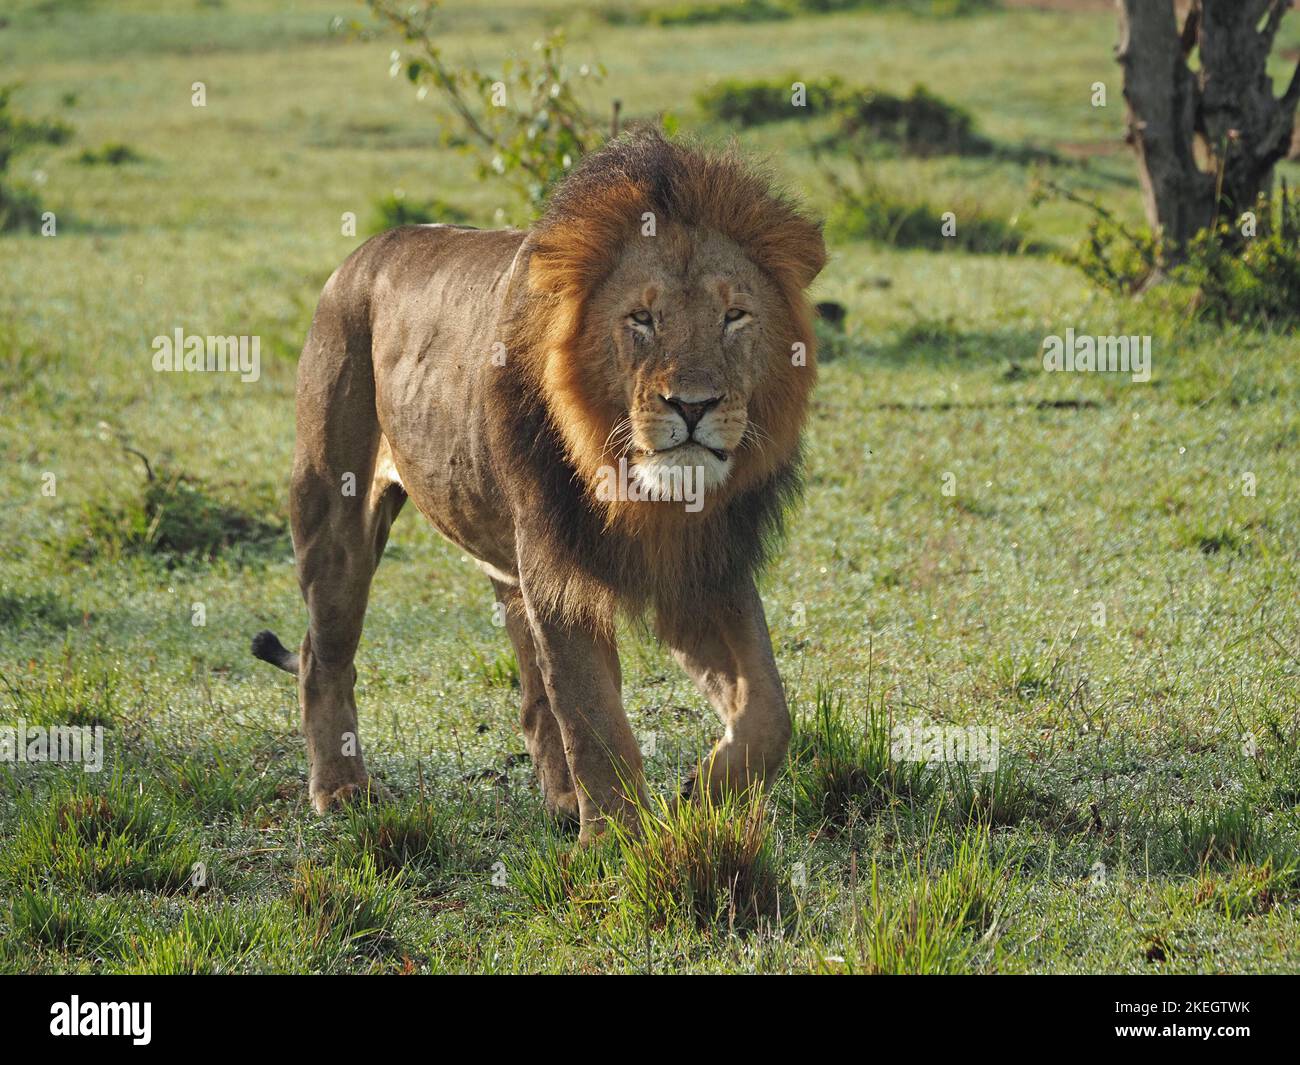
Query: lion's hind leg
344, 498
541, 731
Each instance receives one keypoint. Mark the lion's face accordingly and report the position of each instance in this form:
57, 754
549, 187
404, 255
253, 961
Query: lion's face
689, 325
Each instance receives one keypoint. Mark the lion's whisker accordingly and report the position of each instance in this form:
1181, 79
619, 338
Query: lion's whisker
620, 436
756, 437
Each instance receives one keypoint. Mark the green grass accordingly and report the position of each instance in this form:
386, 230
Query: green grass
1145, 812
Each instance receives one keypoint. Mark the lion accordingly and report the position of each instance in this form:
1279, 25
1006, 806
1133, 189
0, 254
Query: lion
605, 413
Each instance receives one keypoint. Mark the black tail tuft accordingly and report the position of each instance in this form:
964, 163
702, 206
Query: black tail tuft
267, 647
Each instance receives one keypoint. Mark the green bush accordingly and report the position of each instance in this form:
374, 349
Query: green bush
753, 103
174, 516
524, 126
869, 211
688, 14
398, 209
920, 124
20, 207
115, 154
1230, 276
701, 14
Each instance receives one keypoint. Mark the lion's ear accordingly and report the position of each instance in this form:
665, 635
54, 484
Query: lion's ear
805, 251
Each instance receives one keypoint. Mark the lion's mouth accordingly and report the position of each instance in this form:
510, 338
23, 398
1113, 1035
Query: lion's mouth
716, 452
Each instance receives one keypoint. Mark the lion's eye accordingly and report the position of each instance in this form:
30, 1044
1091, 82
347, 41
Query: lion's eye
734, 315
642, 318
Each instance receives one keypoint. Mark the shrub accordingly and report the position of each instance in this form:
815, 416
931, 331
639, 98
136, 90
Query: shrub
20, 207
1232, 272
397, 209
753, 103
689, 14
920, 124
174, 516
110, 155
869, 211
701, 14
525, 125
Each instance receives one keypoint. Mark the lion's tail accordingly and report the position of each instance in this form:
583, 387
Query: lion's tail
267, 647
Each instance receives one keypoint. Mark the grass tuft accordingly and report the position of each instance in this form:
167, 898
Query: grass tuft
841, 769
708, 861
93, 838
62, 922
82, 695
421, 838
927, 920
350, 904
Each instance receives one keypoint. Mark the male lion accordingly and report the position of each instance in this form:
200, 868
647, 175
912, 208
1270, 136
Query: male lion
530, 390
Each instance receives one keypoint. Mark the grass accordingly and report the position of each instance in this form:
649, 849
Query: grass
1145, 813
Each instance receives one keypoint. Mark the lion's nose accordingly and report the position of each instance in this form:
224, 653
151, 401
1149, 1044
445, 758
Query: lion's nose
693, 410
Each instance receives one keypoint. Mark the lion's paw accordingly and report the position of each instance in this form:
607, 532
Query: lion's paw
370, 790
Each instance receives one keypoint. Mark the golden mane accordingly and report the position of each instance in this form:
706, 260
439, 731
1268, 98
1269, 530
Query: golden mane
571, 250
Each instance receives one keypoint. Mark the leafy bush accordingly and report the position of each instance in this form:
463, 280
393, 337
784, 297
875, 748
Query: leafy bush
920, 124
175, 516
116, 154
1232, 272
753, 103
688, 14
1254, 281
525, 125
398, 209
20, 207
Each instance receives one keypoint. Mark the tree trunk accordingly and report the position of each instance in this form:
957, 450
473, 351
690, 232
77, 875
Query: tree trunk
1206, 141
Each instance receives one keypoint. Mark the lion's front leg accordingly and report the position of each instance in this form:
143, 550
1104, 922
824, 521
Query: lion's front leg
541, 731
580, 670
727, 652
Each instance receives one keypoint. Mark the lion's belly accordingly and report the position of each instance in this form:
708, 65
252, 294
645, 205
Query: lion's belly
432, 344
459, 504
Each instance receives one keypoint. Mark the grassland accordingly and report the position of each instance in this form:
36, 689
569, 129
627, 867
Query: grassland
1145, 816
